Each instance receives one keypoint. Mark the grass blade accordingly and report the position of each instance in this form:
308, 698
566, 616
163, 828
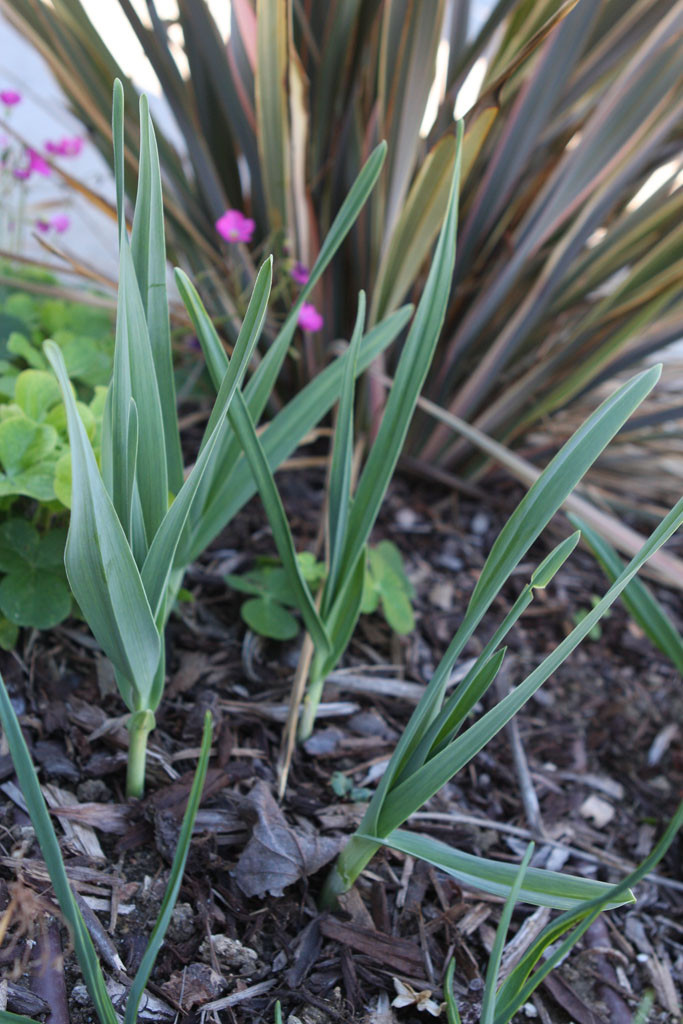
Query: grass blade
540, 888
45, 833
175, 878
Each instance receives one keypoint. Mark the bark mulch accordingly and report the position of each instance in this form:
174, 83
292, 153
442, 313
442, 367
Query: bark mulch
592, 769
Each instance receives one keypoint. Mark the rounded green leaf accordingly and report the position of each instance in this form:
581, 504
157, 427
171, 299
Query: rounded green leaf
30, 596
19, 542
36, 392
268, 618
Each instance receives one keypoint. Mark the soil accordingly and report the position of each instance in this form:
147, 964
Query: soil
599, 747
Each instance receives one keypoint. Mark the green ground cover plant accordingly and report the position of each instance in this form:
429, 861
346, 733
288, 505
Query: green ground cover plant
35, 464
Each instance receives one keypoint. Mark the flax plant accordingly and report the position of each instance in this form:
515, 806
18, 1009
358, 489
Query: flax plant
571, 256
138, 521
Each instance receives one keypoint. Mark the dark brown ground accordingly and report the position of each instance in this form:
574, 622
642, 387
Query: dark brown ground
602, 737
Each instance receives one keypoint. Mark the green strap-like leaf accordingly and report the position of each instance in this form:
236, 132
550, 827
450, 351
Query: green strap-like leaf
453, 713
410, 375
159, 562
425, 782
49, 845
243, 428
234, 484
637, 598
516, 989
489, 1001
148, 246
99, 563
530, 517
174, 880
540, 888
339, 490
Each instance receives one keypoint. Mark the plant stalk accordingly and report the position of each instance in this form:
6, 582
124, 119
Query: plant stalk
140, 726
314, 692
357, 853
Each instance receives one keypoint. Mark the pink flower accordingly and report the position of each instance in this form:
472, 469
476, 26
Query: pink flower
36, 163
22, 173
59, 223
299, 273
65, 147
10, 97
233, 226
309, 318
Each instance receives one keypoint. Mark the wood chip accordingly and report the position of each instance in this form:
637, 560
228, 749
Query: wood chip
599, 811
400, 955
80, 836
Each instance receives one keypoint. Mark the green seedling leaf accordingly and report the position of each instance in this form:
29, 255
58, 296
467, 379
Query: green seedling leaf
159, 561
49, 846
339, 490
452, 1013
99, 562
540, 888
427, 780
242, 425
233, 487
148, 246
268, 618
533, 513
638, 599
387, 583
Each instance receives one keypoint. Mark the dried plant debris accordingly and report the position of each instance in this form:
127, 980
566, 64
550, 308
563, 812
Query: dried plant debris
278, 855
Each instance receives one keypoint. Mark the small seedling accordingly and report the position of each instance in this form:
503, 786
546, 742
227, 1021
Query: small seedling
385, 587
596, 632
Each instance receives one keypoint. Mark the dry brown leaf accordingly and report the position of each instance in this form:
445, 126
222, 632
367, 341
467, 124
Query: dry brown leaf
278, 855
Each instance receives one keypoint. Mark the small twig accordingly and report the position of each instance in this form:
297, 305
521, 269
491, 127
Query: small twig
289, 731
